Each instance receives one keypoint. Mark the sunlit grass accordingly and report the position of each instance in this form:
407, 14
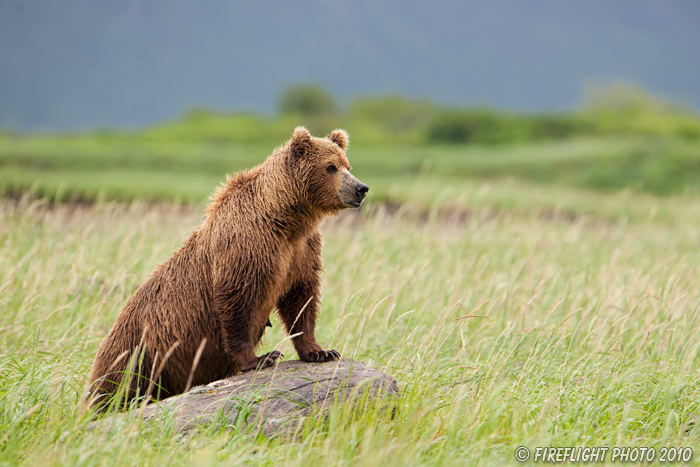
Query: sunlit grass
509, 324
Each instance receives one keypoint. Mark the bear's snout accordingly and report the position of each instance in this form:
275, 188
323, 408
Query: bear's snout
352, 191
360, 191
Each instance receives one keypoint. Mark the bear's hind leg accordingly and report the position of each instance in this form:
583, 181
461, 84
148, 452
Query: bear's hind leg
260, 362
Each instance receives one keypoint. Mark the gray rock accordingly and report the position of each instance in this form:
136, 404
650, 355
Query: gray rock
273, 400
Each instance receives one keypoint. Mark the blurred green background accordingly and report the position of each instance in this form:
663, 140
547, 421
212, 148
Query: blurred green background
620, 137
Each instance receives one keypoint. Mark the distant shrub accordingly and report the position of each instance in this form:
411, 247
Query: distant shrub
614, 110
458, 126
623, 108
624, 98
306, 100
451, 126
557, 126
388, 119
395, 113
206, 126
199, 113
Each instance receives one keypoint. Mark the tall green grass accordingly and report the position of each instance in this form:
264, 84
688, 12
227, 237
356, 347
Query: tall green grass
537, 317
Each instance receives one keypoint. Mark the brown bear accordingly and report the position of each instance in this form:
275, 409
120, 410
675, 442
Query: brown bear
201, 314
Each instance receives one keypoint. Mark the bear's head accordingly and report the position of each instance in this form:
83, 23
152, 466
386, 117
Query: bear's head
320, 166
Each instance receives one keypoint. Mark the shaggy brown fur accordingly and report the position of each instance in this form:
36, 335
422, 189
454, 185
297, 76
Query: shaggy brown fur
259, 249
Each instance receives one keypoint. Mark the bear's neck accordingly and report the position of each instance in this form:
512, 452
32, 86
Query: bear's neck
287, 213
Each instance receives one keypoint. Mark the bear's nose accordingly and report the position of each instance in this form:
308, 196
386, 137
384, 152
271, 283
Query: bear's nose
361, 190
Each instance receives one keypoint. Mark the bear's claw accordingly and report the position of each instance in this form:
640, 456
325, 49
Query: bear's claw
321, 356
268, 359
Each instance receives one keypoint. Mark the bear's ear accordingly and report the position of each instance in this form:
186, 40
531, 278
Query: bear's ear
341, 138
301, 142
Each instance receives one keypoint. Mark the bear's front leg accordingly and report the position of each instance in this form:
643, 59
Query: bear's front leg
298, 307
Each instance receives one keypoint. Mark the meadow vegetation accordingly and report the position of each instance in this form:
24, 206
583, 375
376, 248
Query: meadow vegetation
536, 292
621, 138
553, 320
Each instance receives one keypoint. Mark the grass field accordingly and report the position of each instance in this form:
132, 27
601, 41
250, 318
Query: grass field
510, 314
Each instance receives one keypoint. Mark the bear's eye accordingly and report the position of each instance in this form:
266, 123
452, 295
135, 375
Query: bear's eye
331, 169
